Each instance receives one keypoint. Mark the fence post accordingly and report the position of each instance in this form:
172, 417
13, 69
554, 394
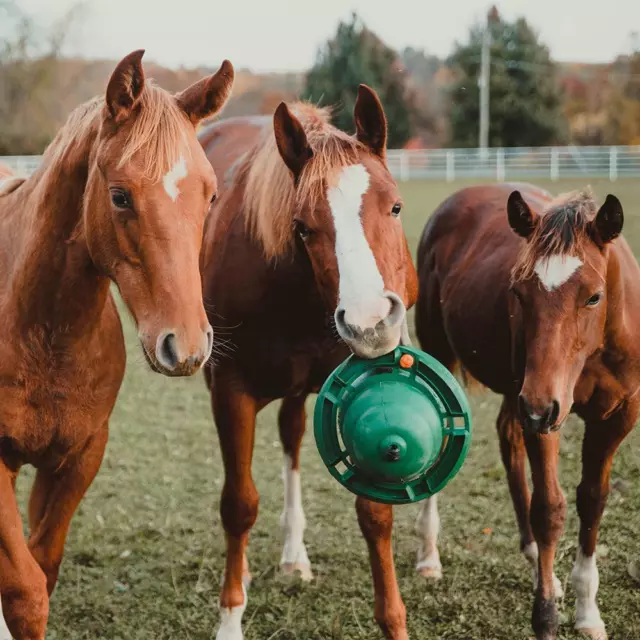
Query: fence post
500, 165
404, 166
613, 164
555, 164
451, 165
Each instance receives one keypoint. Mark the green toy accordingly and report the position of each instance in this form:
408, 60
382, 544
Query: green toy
395, 429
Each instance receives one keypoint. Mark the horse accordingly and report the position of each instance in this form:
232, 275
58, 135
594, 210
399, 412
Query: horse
306, 260
121, 196
538, 299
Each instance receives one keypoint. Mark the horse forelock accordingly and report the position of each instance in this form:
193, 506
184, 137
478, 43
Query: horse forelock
562, 230
270, 197
158, 133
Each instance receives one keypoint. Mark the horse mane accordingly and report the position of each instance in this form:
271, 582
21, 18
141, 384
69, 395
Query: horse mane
158, 130
270, 198
562, 230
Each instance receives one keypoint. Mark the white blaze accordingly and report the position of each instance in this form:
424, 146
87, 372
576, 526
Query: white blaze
361, 288
585, 581
171, 179
555, 270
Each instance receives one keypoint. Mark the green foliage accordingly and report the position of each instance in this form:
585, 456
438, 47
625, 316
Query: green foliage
357, 56
525, 99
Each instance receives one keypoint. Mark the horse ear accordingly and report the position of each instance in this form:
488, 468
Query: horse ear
521, 219
207, 96
125, 86
371, 123
608, 222
291, 140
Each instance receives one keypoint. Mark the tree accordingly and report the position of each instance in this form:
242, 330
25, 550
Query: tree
29, 61
525, 98
357, 56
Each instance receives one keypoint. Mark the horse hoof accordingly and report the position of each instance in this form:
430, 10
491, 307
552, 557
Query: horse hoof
595, 633
291, 568
429, 571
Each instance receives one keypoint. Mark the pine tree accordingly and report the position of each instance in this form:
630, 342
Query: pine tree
357, 56
525, 99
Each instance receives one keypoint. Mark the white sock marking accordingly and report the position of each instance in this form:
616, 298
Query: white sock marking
231, 621
427, 529
361, 285
531, 554
554, 271
585, 580
5, 634
293, 521
171, 179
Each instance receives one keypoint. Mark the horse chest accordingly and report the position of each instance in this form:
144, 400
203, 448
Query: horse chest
49, 409
276, 367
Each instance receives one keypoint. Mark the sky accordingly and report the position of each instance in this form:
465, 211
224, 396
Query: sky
281, 35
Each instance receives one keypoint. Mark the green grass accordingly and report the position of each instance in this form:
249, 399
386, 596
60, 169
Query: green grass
145, 554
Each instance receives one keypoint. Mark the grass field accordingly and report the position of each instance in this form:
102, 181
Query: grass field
145, 554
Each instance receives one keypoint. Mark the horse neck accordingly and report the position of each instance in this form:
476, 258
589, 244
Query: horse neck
55, 283
623, 299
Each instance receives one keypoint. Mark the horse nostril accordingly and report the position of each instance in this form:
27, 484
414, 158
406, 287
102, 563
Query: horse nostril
167, 351
523, 409
553, 413
344, 329
397, 310
209, 333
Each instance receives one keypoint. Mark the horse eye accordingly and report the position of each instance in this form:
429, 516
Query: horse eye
593, 300
214, 197
302, 230
396, 209
120, 199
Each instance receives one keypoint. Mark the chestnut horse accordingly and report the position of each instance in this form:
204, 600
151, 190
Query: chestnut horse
121, 195
306, 259
539, 299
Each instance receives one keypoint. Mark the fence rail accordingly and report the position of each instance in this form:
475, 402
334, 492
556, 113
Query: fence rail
493, 164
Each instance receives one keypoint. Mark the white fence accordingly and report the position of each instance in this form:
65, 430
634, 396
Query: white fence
491, 164
516, 163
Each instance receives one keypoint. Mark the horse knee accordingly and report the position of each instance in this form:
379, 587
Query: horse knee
239, 508
25, 608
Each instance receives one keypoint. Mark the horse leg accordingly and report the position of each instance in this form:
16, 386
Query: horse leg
292, 421
235, 415
55, 496
427, 529
601, 441
23, 587
513, 455
547, 516
376, 523
434, 340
